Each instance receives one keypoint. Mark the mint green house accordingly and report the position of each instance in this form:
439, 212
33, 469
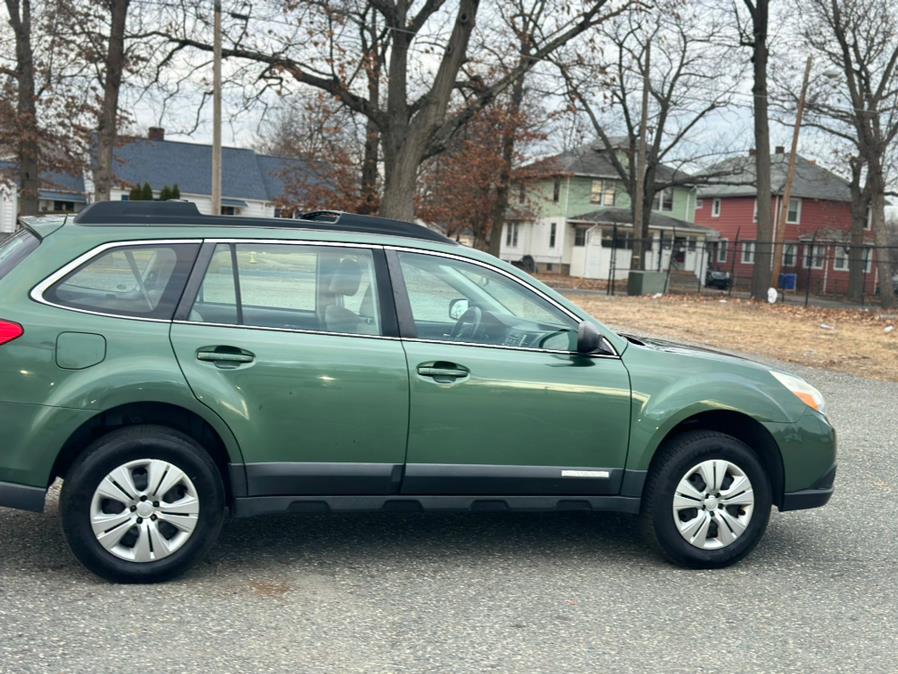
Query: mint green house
565, 220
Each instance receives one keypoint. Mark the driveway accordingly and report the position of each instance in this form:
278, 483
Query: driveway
567, 592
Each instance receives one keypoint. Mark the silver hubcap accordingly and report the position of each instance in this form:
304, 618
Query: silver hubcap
713, 504
144, 510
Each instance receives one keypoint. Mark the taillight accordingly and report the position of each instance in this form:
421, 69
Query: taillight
10, 331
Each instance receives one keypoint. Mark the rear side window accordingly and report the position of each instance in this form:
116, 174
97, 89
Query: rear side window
15, 249
288, 286
144, 281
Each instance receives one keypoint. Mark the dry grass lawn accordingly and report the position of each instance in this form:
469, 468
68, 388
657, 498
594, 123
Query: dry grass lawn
846, 340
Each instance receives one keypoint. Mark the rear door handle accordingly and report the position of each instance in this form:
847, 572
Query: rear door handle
443, 372
225, 356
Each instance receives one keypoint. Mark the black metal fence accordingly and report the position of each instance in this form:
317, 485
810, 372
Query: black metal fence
812, 269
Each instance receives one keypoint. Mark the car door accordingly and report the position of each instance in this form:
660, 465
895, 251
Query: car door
295, 347
505, 407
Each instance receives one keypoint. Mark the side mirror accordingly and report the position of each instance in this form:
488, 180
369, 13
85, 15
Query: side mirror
589, 340
458, 307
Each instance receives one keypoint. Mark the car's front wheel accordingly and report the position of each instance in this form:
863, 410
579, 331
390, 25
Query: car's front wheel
707, 500
142, 504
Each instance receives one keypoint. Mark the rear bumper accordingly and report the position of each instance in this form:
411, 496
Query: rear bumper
22, 497
815, 497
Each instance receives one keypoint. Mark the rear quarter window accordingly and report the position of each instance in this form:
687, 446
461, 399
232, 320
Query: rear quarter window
15, 249
143, 281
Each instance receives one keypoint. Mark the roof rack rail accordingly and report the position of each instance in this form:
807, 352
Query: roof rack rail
171, 213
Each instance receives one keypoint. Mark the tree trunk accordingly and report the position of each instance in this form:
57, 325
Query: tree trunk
369, 202
28, 144
760, 279
881, 235
503, 185
860, 202
402, 156
108, 122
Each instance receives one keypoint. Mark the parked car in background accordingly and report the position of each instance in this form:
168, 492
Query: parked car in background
172, 368
717, 278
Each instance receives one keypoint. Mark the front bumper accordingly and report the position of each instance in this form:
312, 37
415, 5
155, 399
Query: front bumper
815, 497
22, 497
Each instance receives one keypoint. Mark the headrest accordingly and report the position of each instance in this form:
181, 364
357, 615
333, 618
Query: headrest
346, 277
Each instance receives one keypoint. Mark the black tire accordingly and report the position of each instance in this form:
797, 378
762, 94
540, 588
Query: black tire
681, 454
131, 444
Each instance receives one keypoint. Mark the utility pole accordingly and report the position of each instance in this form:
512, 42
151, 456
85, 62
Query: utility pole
216, 113
639, 241
783, 215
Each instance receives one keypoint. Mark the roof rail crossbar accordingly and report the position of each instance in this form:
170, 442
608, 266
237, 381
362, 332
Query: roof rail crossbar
173, 213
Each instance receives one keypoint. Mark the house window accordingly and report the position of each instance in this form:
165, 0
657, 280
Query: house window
793, 217
754, 213
868, 222
552, 230
813, 257
621, 241
602, 192
722, 250
63, 206
125, 197
665, 200
840, 258
715, 208
579, 237
556, 189
522, 194
690, 244
699, 204
511, 235
229, 210
789, 254
748, 252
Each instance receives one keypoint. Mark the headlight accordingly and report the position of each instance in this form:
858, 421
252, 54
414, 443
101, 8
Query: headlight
802, 390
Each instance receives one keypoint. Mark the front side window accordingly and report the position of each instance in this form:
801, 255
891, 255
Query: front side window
456, 301
142, 281
292, 287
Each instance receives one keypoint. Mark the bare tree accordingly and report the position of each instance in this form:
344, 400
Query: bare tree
860, 39
754, 35
107, 129
26, 126
412, 114
663, 73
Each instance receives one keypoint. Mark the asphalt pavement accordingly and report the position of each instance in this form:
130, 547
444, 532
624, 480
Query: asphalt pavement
487, 592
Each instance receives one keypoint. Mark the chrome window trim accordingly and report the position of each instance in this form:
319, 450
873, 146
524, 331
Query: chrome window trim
300, 331
37, 292
298, 242
536, 291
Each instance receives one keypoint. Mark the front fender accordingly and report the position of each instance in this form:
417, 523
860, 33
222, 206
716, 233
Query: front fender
669, 388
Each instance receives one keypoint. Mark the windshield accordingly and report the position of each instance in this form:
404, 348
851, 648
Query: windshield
15, 249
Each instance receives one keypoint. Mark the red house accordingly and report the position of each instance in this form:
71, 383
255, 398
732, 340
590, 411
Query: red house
819, 214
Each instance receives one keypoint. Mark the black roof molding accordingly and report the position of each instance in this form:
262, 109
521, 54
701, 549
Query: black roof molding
175, 213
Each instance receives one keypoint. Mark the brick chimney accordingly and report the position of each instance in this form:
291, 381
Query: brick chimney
780, 149
156, 133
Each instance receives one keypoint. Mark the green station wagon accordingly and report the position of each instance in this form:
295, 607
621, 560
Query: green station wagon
172, 368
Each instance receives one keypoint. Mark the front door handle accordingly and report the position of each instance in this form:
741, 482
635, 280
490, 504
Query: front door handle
443, 372
225, 356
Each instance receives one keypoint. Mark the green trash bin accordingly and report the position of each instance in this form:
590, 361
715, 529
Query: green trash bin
646, 282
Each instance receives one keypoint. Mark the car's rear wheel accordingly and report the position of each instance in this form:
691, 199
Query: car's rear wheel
707, 500
142, 504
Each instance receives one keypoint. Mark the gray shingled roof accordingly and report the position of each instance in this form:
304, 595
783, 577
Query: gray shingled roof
592, 160
56, 181
245, 174
811, 180
622, 216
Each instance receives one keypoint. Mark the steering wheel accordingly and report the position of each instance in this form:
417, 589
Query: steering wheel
472, 317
